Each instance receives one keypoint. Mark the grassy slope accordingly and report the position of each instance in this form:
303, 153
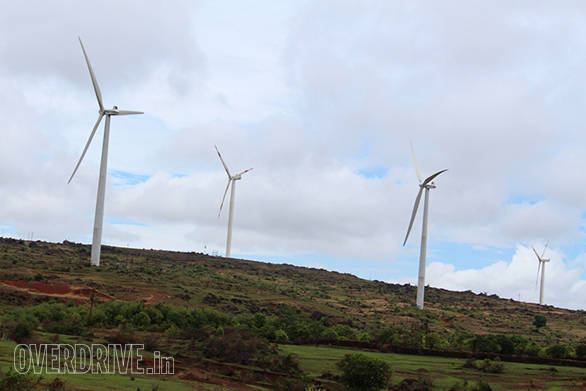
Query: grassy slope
445, 372
239, 286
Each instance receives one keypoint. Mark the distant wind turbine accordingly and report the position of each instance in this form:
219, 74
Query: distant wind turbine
99, 217
541, 265
426, 185
231, 179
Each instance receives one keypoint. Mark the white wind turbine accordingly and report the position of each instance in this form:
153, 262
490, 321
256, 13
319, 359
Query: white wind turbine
542, 262
99, 217
231, 179
426, 185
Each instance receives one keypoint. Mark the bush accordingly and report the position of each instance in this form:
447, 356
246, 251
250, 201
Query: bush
558, 351
410, 384
362, 373
540, 321
281, 336
480, 386
489, 366
14, 381
485, 365
21, 326
56, 385
581, 351
486, 343
330, 334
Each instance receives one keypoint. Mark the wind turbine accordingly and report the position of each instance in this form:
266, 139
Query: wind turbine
426, 185
231, 179
542, 262
99, 217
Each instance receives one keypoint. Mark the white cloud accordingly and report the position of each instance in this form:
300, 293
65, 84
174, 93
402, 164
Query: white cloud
308, 94
564, 286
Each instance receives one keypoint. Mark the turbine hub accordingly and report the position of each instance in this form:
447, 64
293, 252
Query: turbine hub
112, 111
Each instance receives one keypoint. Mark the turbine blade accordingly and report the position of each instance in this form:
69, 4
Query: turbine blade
93, 76
535, 251
86, 146
413, 213
223, 163
545, 248
224, 197
431, 178
415, 163
245, 171
128, 112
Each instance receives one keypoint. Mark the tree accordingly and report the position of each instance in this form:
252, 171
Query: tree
539, 321
558, 351
581, 351
362, 373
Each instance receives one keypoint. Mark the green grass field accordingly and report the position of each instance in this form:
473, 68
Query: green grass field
109, 382
445, 372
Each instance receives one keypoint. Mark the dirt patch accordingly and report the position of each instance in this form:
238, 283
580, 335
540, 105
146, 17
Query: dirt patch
155, 298
57, 290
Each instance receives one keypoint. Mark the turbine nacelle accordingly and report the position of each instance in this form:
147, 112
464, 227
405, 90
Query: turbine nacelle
115, 111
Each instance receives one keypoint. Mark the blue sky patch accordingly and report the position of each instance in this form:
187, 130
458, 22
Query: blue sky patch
373, 172
124, 222
530, 199
6, 228
127, 178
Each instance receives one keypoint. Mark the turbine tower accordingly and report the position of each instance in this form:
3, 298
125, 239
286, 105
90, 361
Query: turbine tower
231, 180
99, 217
541, 265
426, 185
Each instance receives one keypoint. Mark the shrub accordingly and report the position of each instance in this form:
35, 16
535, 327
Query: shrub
14, 381
281, 336
362, 373
490, 366
142, 319
557, 351
410, 384
486, 343
330, 334
485, 365
539, 321
56, 385
480, 386
21, 326
581, 351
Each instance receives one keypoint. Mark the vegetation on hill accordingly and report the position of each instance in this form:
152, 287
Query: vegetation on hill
212, 311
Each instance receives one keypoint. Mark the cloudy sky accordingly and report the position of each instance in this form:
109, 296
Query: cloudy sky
322, 98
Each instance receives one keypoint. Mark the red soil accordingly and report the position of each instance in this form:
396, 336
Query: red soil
155, 298
59, 290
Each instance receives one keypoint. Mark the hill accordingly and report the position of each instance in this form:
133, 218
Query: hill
274, 302
31, 270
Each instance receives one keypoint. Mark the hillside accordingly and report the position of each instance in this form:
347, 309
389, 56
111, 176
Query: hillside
234, 302
241, 286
